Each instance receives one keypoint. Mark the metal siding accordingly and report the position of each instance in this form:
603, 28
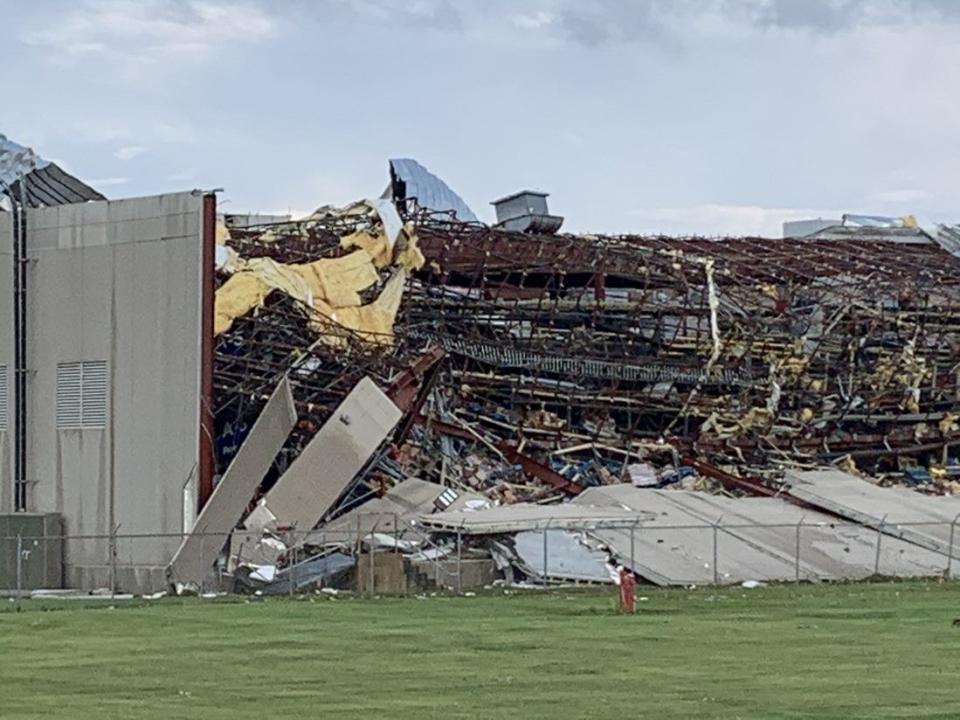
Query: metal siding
93, 401
429, 190
69, 396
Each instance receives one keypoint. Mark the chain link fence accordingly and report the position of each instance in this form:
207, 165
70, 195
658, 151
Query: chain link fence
380, 553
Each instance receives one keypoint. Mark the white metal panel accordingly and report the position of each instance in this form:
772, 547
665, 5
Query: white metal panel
69, 389
82, 395
93, 405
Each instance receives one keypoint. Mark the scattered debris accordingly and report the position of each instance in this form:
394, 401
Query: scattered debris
466, 394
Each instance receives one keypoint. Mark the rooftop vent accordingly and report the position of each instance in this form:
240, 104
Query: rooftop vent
526, 211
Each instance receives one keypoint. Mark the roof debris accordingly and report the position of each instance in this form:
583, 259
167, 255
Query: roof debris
611, 396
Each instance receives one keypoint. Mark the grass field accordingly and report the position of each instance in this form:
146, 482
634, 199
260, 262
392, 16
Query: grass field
848, 651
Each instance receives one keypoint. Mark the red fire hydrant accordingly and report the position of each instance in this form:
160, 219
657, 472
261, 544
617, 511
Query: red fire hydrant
628, 591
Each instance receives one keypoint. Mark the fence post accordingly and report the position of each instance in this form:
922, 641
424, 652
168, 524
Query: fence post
876, 564
293, 565
459, 563
19, 569
716, 552
633, 565
201, 574
396, 533
546, 532
953, 528
372, 550
797, 565
113, 559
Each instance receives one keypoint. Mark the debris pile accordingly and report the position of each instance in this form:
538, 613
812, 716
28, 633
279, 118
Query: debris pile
442, 371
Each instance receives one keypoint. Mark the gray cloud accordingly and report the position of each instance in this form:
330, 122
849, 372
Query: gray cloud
596, 24
445, 15
824, 15
605, 22
839, 15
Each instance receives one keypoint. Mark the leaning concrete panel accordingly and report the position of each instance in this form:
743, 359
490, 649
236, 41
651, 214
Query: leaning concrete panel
225, 507
829, 549
321, 473
923, 520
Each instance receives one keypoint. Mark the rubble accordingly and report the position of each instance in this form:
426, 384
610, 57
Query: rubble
512, 381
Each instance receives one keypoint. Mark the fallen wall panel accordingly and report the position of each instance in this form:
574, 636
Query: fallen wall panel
223, 510
829, 549
339, 450
923, 520
677, 548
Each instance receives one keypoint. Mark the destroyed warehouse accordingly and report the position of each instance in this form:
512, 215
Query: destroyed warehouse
219, 403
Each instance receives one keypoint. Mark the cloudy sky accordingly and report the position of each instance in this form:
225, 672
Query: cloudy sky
711, 116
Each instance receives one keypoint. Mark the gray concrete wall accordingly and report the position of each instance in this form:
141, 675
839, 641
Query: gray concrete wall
117, 282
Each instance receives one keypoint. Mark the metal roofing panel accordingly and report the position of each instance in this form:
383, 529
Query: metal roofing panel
47, 184
948, 238
429, 190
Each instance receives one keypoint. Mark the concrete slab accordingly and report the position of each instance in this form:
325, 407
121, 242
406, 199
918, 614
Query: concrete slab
677, 546
756, 539
525, 516
321, 473
394, 514
226, 505
829, 549
923, 520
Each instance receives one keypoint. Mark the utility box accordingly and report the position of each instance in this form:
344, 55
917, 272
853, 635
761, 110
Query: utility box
41, 550
526, 211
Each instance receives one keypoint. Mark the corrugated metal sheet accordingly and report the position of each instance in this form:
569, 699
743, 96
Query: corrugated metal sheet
47, 184
948, 237
17, 160
410, 179
906, 235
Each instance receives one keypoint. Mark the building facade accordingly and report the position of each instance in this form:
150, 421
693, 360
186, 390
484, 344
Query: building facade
118, 293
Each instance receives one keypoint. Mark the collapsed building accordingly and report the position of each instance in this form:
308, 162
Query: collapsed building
398, 375
548, 366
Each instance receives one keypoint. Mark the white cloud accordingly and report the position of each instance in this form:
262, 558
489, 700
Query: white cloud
107, 182
732, 220
182, 176
534, 21
129, 152
906, 195
149, 31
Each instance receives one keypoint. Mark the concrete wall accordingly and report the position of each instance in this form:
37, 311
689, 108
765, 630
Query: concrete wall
117, 282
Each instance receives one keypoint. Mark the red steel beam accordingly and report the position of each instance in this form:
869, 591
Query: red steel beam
538, 470
208, 240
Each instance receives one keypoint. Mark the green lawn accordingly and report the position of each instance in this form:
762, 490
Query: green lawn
847, 651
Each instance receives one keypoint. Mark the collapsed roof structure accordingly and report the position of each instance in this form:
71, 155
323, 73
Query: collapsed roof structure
531, 367
36, 182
